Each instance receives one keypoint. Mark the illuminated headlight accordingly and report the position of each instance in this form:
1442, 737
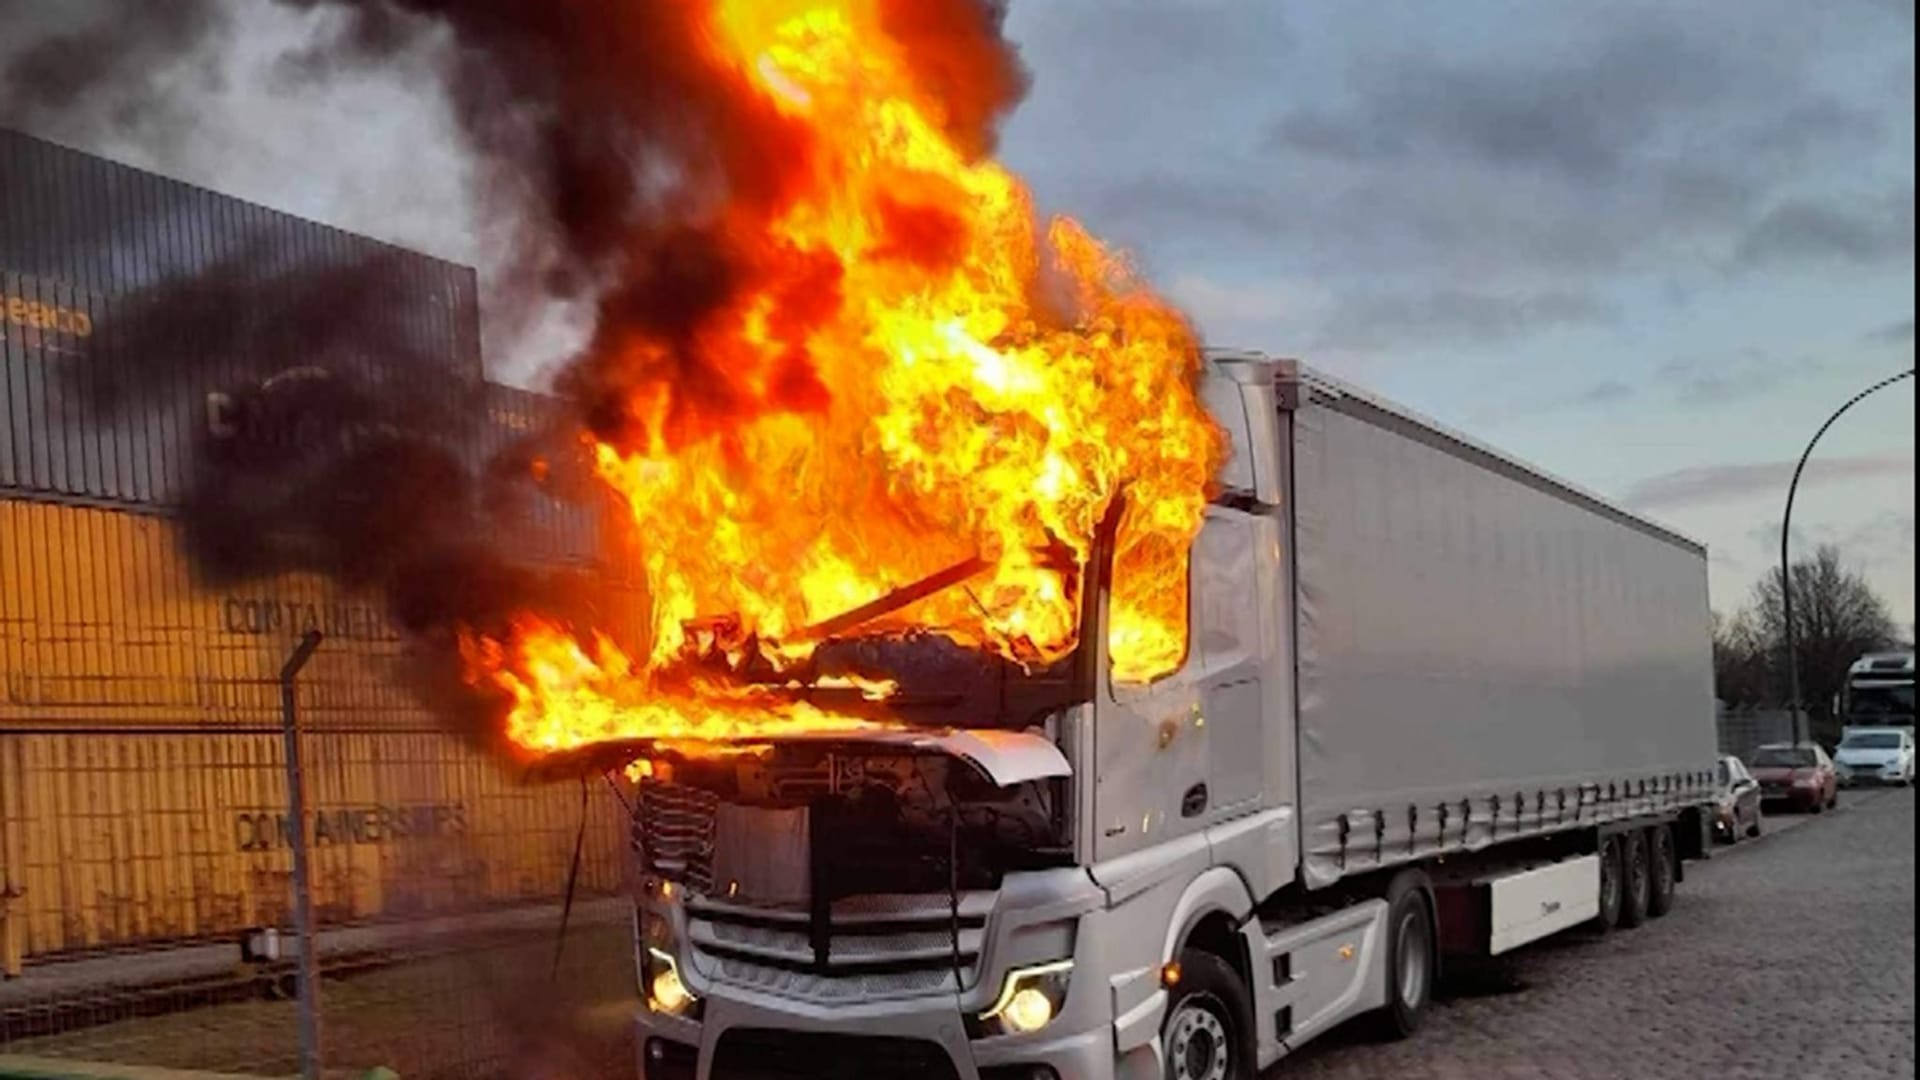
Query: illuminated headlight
664, 989
1030, 997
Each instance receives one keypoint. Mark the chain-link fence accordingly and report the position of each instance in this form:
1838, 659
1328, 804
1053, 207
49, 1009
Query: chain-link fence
150, 912
1741, 731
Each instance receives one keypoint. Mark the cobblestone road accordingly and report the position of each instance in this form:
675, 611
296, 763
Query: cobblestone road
1790, 957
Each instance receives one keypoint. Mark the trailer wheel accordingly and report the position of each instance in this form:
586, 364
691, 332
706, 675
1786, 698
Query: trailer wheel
1208, 1032
1610, 890
1636, 878
1411, 955
1664, 870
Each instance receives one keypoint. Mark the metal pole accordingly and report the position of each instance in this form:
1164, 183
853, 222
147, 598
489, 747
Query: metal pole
1800, 733
309, 996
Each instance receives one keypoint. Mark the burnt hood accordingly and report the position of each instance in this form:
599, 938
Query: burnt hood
1004, 758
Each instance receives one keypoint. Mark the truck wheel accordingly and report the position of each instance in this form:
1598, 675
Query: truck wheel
1661, 856
1410, 956
1208, 1032
1609, 916
1636, 878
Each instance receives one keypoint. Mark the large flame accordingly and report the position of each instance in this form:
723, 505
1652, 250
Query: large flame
920, 375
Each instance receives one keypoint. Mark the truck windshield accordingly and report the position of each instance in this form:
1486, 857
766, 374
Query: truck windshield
1881, 701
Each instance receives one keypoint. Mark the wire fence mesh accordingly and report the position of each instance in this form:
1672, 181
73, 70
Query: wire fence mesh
439, 889
484, 1005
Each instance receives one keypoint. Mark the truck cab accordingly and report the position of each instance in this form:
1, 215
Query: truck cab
1879, 691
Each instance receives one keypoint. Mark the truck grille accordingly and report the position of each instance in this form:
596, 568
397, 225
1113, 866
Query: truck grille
760, 1054
874, 946
673, 829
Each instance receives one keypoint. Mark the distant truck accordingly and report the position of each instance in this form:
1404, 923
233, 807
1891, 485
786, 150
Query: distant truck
1436, 704
1879, 691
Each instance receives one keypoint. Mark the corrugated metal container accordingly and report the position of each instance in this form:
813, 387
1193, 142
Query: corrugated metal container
85, 244
560, 520
113, 840
141, 792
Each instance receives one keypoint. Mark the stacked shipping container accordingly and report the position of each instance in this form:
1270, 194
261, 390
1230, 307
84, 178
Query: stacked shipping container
141, 792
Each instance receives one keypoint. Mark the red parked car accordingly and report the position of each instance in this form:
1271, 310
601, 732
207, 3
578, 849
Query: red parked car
1799, 774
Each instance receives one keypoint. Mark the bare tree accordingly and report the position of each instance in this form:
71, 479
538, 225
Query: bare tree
1745, 671
1837, 618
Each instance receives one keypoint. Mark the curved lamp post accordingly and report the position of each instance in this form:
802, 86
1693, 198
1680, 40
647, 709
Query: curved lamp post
1786, 567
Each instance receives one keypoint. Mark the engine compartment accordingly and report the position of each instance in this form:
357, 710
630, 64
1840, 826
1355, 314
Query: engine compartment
801, 825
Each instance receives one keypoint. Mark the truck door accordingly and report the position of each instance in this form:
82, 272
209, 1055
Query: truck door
1192, 747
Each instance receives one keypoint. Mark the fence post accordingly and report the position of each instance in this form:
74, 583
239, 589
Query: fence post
309, 995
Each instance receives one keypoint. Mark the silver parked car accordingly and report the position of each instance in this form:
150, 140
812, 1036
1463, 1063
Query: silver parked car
1737, 793
1875, 755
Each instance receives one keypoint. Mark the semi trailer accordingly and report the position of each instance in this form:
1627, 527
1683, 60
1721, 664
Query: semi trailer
1436, 705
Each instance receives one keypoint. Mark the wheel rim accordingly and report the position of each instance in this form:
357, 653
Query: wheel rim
1410, 946
1198, 1046
1637, 872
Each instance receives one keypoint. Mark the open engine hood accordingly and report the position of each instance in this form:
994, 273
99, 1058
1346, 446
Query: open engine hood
1006, 758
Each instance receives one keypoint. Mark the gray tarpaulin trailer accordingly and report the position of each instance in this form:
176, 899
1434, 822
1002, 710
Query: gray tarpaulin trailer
1435, 703
1483, 651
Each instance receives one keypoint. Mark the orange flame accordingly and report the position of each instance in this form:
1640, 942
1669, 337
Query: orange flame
936, 378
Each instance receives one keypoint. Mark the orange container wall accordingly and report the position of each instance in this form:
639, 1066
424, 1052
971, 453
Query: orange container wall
142, 792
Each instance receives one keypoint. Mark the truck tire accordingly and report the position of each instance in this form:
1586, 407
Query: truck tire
1208, 1033
1610, 889
1636, 878
1411, 956
1665, 870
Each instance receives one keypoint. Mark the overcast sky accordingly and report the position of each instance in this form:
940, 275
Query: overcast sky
1648, 246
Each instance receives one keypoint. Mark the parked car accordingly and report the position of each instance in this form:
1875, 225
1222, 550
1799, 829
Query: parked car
1875, 755
1738, 806
1799, 774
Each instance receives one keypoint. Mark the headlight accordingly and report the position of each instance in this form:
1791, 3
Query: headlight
1030, 998
664, 990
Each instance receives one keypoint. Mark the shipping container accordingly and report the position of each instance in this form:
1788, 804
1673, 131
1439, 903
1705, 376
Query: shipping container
112, 839
142, 792
133, 306
142, 797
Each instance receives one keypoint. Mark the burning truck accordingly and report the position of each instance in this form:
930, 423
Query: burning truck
1021, 690
1431, 704
1025, 692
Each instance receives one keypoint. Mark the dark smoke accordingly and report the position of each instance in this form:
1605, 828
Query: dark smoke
51, 74
637, 172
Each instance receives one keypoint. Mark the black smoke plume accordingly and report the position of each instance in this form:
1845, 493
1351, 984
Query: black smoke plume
639, 171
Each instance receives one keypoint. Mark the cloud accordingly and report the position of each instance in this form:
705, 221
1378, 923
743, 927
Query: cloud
1605, 392
1727, 483
1456, 316
1863, 232
1581, 117
1898, 332
1406, 164
1723, 379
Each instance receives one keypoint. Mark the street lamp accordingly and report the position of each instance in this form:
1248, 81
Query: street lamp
1786, 567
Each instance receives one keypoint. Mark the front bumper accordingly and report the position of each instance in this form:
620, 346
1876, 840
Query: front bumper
917, 1039
1861, 776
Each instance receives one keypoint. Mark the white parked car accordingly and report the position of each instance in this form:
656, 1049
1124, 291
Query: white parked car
1875, 755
